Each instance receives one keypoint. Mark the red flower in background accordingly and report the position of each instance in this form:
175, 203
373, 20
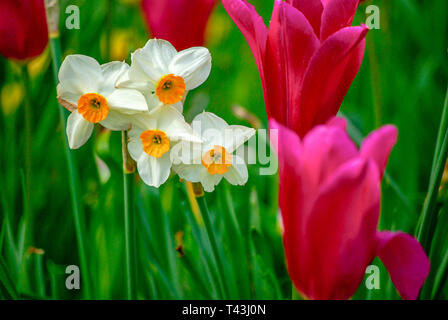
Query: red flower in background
181, 22
307, 59
23, 28
329, 198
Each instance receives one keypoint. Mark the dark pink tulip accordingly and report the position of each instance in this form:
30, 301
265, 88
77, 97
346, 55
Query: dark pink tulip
307, 59
23, 29
181, 22
329, 198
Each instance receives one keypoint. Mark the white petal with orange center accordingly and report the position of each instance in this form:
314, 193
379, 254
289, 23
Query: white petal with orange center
237, 173
193, 64
78, 130
80, 74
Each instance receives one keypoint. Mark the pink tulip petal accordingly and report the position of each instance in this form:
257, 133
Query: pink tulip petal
325, 149
289, 149
341, 231
312, 9
290, 45
405, 260
336, 15
338, 122
378, 145
329, 76
251, 26
181, 22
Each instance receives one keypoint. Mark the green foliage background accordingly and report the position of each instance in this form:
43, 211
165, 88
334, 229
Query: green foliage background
402, 81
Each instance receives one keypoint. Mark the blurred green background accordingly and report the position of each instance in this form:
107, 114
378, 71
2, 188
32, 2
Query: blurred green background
402, 81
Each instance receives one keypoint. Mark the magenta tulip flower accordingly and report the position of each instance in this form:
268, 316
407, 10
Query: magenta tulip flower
329, 198
23, 29
307, 59
181, 22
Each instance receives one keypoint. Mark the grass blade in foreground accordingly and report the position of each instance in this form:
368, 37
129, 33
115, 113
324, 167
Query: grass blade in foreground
213, 242
429, 214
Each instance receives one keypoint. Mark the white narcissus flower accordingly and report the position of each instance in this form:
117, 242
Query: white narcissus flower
164, 75
151, 140
215, 160
88, 90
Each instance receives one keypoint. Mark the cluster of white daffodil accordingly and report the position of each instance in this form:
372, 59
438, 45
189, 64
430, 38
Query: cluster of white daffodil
146, 99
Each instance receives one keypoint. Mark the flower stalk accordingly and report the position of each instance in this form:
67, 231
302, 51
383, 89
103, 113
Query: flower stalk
52, 11
28, 150
129, 217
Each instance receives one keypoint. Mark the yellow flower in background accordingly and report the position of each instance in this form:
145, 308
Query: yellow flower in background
11, 97
39, 64
122, 41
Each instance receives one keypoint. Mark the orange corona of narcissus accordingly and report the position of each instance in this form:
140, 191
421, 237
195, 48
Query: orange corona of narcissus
23, 29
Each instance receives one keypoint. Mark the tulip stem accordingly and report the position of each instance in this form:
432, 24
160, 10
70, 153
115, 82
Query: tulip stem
78, 214
28, 150
28, 119
129, 219
429, 214
213, 242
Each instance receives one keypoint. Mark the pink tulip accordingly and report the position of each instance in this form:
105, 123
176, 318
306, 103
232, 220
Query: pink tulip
181, 22
330, 203
307, 59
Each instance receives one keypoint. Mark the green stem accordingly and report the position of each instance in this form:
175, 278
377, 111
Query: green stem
129, 222
28, 119
28, 151
213, 242
78, 213
429, 214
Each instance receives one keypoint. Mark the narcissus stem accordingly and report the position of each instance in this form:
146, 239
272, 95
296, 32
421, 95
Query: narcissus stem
429, 214
78, 214
129, 218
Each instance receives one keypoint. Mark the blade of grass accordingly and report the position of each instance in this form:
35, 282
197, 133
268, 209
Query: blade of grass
11, 255
441, 277
442, 129
213, 242
6, 280
195, 222
429, 214
151, 260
